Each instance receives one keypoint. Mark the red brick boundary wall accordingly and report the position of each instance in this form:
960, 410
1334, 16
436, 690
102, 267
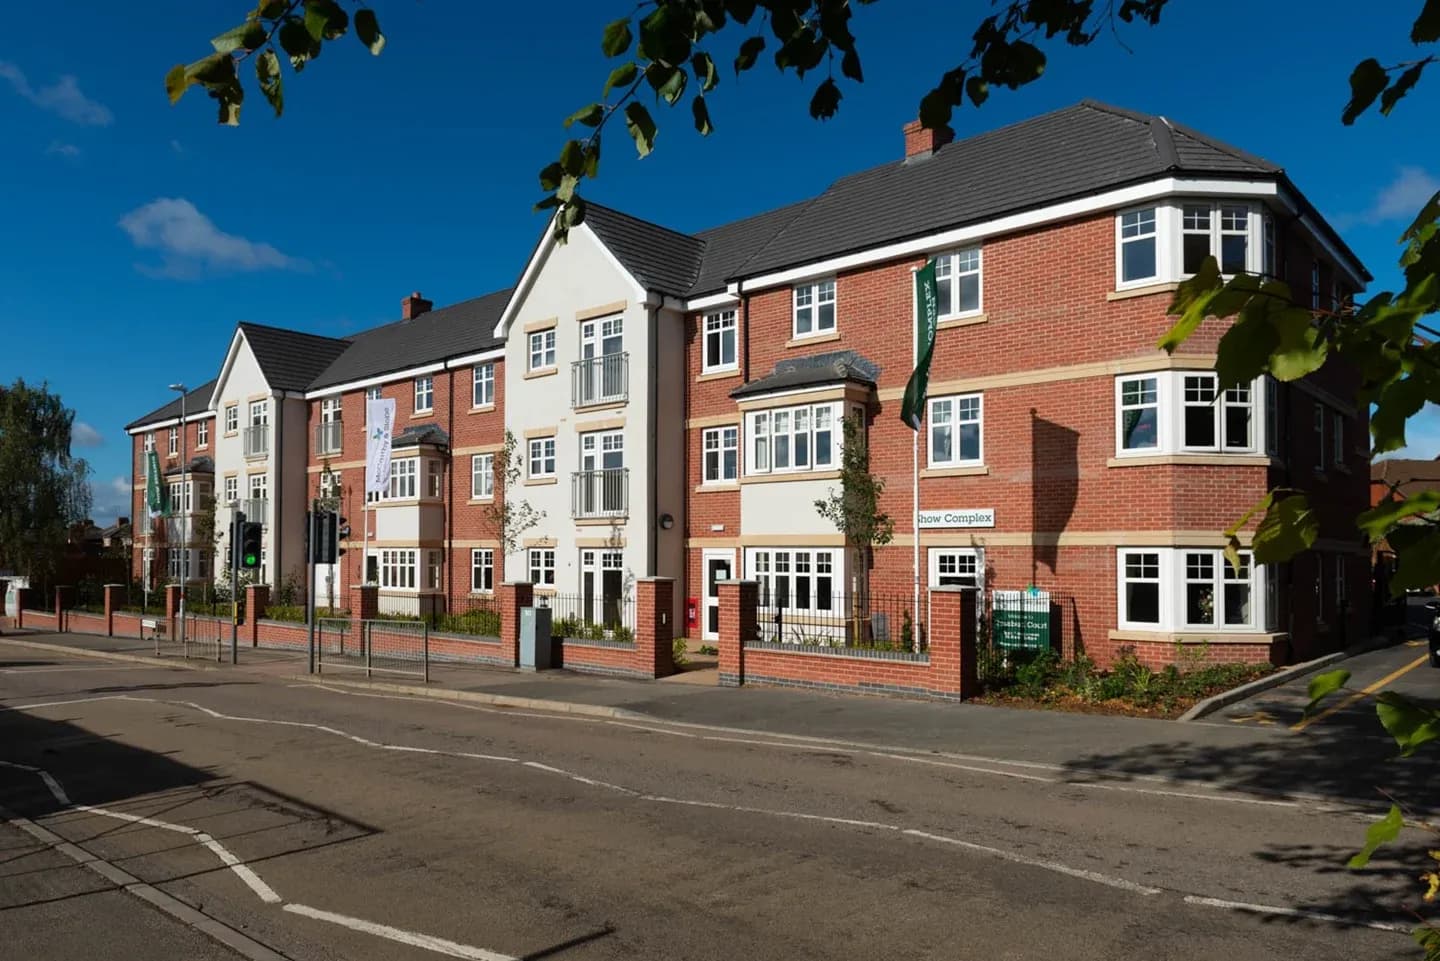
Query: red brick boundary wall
257, 598
650, 655
947, 671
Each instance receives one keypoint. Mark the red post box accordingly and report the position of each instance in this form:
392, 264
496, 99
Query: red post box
692, 613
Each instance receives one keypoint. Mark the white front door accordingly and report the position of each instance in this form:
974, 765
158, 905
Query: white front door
719, 565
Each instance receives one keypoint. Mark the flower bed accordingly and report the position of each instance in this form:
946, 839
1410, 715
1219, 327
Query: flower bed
1128, 687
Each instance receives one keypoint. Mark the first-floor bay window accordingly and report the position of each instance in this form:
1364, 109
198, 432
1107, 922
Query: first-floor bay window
1189, 589
1139, 413
482, 570
1183, 411
955, 431
791, 439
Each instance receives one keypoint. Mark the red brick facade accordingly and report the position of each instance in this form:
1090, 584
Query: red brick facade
1044, 354
150, 533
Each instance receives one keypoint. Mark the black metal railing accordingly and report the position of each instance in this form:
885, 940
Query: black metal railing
808, 615
600, 380
593, 617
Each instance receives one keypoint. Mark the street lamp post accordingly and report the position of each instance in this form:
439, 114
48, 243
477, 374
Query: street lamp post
184, 514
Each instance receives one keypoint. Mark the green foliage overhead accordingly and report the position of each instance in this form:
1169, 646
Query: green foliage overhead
46, 489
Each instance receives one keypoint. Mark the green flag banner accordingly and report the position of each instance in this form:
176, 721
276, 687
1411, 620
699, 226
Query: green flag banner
927, 307
154, 500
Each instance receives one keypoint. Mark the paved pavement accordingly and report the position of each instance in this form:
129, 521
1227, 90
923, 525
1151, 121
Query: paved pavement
341, 823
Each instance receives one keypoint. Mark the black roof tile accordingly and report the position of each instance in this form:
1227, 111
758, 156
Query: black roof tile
817, 370
730, 245
290, 359
464, 328
195, 401
659, 258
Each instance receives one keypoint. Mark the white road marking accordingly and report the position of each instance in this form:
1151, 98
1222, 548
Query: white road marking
262, 890
53, 669
1320, 916
428, 942
967, 767
442, 946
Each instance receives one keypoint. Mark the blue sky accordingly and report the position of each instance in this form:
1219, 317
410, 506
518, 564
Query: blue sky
139, 234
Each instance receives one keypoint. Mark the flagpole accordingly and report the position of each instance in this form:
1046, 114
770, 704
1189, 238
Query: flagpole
915, 469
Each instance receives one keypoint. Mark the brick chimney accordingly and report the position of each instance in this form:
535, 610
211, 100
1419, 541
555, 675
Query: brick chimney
413, 306
123, 522
920, 142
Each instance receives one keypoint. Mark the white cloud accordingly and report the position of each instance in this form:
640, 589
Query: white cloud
67, 150
111, 499
64, 98
189, 241
1401, 198
83, 435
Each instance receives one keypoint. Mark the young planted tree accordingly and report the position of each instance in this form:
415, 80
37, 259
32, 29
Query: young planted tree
507, 514
855, 511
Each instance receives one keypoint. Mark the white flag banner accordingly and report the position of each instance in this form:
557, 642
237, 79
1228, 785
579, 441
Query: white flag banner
379, 427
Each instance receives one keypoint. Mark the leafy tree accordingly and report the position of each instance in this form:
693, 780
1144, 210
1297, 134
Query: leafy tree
508, 515
855, 512
46, 490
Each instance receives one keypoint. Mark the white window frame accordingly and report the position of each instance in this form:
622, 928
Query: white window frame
761, 436
149, 445
482, 385
1337, 439
945, 412
1171, 404
717, 325
259, 413
399, 568
540, 565
404, 482
232, 418
957, 562
434, 478
719, 441
330, 486
768, 565
816, 294
232, 489
372, 393
540, 450
259, 487
1174, 576
482, 477
424, 394
434, 569
949, 272
202, 434
172, 442
541, 349
1126, 233
482, 570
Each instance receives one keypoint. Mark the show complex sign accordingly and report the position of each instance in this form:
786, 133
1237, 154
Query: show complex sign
955, 517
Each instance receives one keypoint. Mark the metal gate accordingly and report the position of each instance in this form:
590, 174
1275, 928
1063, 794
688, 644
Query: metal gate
204, 638
375, 647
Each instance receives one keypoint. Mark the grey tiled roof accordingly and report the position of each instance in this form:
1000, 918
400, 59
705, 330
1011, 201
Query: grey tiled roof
197, 465
659, 258
195, 401
834, 367
730, 245
464, 328
417, 434
290, 359
1069, 153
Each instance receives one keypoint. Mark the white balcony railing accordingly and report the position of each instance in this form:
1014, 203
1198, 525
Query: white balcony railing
256, 439
600, 493
600, 380
256, 509
328, 437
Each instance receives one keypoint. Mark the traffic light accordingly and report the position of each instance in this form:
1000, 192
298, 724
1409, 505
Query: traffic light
250, 545
330, 530
237, 524
342, 533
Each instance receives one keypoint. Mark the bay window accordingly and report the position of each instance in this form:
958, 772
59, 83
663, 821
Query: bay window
1169, 241
1139, 259
404, 481
797, 579
956, 428
793, 439
957, 281
397, 568
1191, 589
1184, 412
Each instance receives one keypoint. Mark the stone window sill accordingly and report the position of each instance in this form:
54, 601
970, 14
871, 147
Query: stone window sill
722, 374
1196, 637
975, 470
968, 320
541, 372
1194, 460
1168, 287
807, 339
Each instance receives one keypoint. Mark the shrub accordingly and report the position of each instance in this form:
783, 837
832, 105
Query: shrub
677, 651
626, 636
567, 627
478, 622
710, 649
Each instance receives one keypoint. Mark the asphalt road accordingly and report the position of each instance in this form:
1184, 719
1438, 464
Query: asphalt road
329, 824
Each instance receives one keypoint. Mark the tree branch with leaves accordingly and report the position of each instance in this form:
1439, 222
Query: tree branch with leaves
509, 516
855, 511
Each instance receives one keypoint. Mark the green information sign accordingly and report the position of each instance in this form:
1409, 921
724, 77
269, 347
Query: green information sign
1021, 620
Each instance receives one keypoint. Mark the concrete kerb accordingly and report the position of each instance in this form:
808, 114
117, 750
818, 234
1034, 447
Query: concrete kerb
1283, 676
